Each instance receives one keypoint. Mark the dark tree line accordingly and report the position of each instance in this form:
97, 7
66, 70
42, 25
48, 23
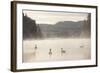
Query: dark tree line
86, 30
30, 28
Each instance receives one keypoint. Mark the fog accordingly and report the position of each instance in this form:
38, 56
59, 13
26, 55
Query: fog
73, 49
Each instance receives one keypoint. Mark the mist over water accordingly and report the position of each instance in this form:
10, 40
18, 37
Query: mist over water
73, 49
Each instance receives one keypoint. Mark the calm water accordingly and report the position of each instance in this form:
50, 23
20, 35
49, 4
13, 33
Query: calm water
73, 49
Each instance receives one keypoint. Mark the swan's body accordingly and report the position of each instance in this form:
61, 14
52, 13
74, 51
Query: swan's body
35, 47
62, 51
50, 52
81, 46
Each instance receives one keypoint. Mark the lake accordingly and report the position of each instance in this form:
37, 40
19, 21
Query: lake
50, 49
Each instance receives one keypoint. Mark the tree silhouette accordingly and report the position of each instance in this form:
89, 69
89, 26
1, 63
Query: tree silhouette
86, 29
30, 28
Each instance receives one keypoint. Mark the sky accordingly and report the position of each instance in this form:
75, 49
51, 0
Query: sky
51, 17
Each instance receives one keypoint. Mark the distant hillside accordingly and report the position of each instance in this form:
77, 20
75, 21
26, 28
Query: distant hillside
62, 29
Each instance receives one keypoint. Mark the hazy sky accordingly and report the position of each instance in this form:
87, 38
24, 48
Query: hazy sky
47, 17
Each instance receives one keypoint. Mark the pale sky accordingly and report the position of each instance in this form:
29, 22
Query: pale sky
47, 17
